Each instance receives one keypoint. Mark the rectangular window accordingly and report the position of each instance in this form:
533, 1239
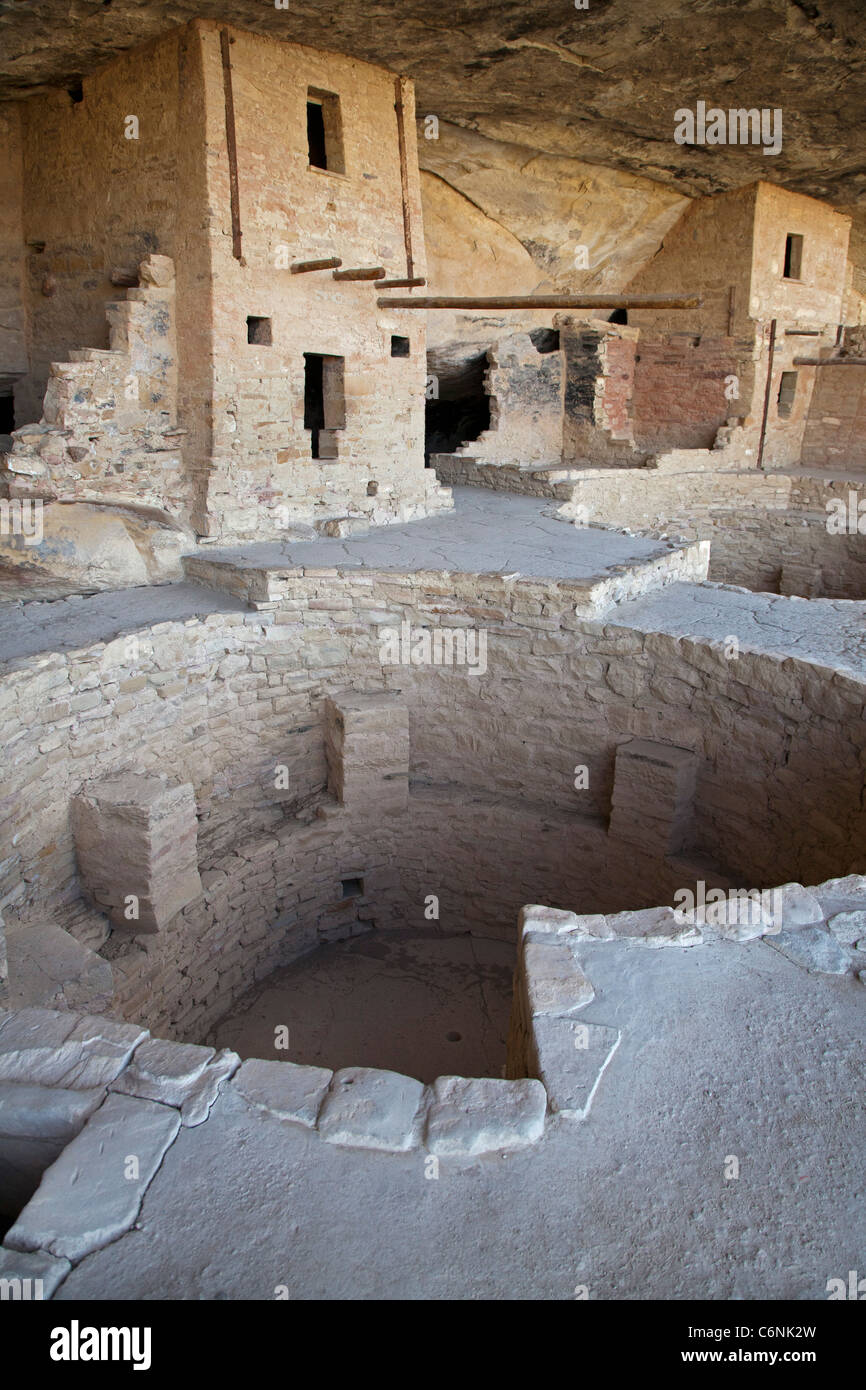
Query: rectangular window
324, 131
324, 402
352, 887
400, 347
787, 392
793, 256
259, 331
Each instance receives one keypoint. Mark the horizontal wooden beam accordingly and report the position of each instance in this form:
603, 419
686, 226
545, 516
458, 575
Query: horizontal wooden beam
830, 361
302, 267
127, 278
548, 301
802, 332
399, 284
375, 272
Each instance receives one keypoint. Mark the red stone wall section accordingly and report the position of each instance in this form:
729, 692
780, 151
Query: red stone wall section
679, 391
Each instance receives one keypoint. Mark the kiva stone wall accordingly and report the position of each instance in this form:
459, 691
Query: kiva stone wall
510, 778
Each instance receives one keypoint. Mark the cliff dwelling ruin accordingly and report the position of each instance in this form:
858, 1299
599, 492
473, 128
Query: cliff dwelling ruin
432, 655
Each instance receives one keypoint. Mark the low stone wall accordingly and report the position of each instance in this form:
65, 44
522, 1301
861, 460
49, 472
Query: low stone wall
79, 1094
767, 531
554, 1038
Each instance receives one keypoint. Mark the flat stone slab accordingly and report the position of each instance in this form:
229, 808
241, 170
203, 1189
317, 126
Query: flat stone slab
370, 1109
164, 1071
537, 918
48, 968
849, 928
43, 1047
555, 982
30, 1276
203, 1093
36, 1124
286, 1090
572, 1058
655, 926
814, 948
86, 1199
800, 908
45, 1112
473, 1116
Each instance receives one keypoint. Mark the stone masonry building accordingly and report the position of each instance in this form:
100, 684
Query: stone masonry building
223, 388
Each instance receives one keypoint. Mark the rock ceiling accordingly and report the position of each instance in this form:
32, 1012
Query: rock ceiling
599, 84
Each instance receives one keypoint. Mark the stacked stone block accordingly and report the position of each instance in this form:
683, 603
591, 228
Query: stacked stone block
136, 841
653, 794
367, 744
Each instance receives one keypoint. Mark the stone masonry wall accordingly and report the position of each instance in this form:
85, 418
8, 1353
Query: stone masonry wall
525, 387
679, 391
233, 702
13, 339
599, 384
835, 431
109, 428
262, 470
98, 202
767, 531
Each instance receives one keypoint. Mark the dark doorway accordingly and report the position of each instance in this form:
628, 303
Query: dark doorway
324, 402
462, 410
7, 414
314, 399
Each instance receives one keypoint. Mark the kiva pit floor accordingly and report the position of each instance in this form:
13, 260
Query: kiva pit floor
423, 1004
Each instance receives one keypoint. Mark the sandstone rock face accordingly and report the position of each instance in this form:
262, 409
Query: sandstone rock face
603, 81
553, 204
95, 547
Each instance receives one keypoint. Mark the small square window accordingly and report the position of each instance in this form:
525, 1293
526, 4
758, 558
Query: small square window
352, 887
793, 256
787, 392
259, 331
400, 347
